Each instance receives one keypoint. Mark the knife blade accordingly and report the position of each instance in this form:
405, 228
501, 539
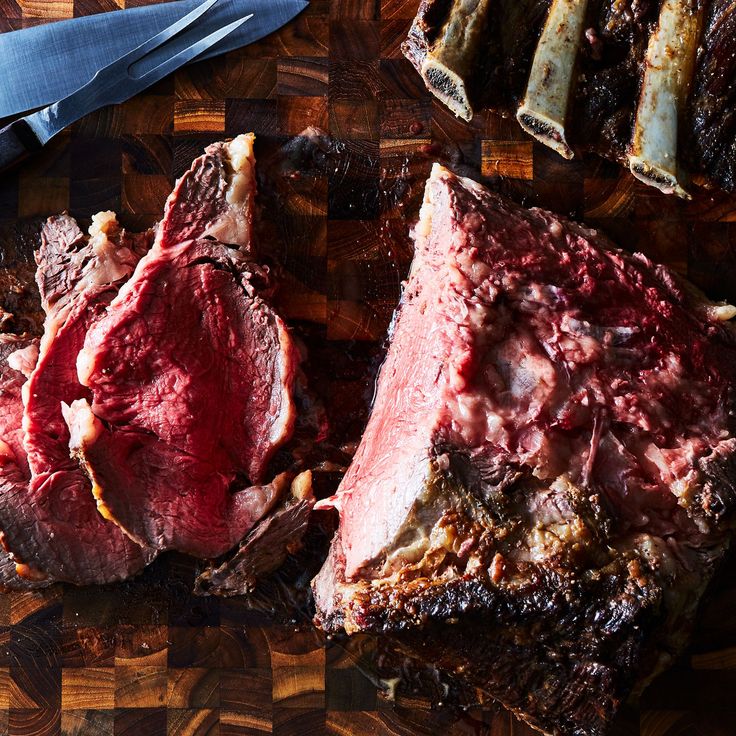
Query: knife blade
133, 72
35, 62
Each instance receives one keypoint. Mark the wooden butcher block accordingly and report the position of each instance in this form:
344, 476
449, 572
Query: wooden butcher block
148, 658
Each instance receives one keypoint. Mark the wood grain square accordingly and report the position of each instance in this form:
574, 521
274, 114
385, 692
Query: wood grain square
192, 722
608, 197
92, 722
257, 116
198, 116
46, 9
140, 722
235, 77
297, 113
195, 687
349, 689
406, 118
355, 39
304, 77
94, 195
42, 196
95, 158
147, 154
148, 114
193, 647
300, 721
244, 647
351, 119
298, 679
87, 646
399, 80
507, 158
5, 646
145, 194
246, 691
4, 688
10, 9
405, 9
88, 687
447, 128
233, 723
393, 35
10, 24
355, 9
306, 36
141, 645
354, 80
349, 320
34, 722
18, 697
90, 7
140, 687
354, 183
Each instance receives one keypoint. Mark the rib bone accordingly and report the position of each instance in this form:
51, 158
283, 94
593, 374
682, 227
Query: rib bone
669, 68
543, 112
452, 58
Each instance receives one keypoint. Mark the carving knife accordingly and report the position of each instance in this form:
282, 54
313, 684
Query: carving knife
133, 72
46, 63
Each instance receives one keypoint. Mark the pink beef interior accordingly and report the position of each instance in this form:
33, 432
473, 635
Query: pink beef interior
192, 373
524, 342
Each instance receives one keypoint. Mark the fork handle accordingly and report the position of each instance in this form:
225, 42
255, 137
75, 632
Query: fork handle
17, 142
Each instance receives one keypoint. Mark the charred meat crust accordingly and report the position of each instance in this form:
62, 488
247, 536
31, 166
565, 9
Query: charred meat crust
711, 117
561, 650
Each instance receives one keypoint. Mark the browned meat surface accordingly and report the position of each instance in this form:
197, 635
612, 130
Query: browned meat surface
711, 127
610, 64
551, 457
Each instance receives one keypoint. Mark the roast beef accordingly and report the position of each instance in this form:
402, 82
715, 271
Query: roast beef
191, 374
18, 355
548, 475
50, 523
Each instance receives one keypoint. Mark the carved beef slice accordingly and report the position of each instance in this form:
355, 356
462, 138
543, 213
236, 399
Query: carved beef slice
191, 374
548, 476
49, 518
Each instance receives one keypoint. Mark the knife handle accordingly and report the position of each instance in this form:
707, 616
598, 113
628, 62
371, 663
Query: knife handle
17, 142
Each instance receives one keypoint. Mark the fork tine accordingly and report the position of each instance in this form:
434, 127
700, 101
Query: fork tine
193, 51
167, 33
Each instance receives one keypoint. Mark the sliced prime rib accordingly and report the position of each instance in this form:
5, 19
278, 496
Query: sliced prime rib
190, 373
50, 522
548, 475
18, 355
